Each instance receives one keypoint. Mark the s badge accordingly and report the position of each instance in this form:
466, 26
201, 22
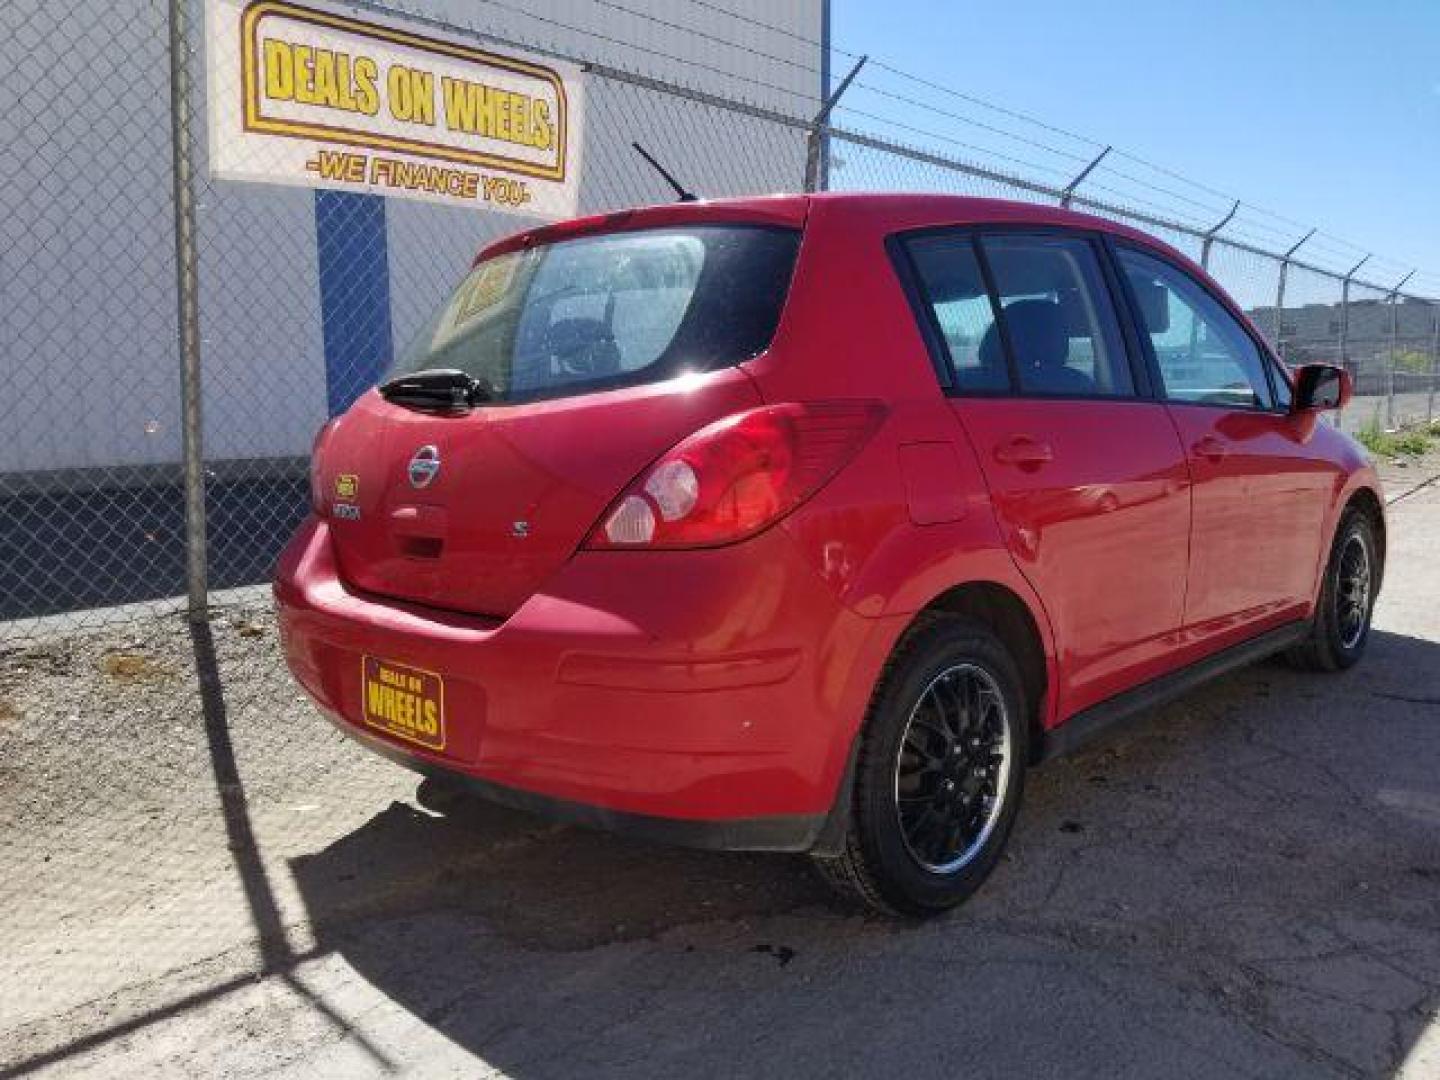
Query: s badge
347, 486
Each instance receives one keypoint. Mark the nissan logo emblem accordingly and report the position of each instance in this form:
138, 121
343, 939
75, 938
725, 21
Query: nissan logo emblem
424, 467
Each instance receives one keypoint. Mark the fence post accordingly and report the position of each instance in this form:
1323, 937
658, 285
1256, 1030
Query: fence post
816, 177
1280, 307
1434, 362
1345, 324
1390, 365
1280, 295
1210, 234
187, 289
1394, 344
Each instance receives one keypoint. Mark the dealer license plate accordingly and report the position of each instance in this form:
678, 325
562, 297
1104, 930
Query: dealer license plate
405, 702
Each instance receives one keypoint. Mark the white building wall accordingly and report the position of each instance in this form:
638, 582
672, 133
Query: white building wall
87, 301
88, 321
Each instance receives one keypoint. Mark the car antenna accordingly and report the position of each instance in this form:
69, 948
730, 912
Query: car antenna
680, 192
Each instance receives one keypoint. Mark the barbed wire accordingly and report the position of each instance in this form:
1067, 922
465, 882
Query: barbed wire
810, 69
1280, 229
926, 106
900, 125
1089, 141
1252, 225
588, 32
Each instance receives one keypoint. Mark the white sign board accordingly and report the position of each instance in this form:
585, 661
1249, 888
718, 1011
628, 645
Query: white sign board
310, 95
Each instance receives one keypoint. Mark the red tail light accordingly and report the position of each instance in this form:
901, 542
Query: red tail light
737, 476
318, 501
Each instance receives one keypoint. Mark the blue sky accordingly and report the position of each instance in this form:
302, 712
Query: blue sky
1326, 111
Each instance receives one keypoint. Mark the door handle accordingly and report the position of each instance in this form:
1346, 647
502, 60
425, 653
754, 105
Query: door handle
1210, 448
1024, 451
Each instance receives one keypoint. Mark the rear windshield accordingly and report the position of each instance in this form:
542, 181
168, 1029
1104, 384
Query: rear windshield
611, 310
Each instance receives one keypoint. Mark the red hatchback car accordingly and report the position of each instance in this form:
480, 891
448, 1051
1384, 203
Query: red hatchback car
807, 523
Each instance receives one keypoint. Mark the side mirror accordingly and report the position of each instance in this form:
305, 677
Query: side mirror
1322, 386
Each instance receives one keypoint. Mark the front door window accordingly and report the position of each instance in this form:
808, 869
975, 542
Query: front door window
1204, 355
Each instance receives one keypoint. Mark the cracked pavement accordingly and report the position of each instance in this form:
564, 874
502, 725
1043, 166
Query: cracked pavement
1243, 883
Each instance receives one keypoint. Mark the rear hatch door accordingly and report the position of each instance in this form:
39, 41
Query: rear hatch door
587, 357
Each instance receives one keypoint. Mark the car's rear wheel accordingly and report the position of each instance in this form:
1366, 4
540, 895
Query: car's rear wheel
940, 772
1341, 627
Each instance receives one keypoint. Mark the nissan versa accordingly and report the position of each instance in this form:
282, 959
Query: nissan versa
808, 523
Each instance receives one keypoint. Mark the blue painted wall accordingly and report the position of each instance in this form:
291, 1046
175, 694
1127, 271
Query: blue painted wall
354, 260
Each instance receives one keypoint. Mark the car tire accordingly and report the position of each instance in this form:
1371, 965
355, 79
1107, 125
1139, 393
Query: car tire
1340, 628
939, 774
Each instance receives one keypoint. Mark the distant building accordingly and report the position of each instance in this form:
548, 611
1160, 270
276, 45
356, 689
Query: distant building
1312, 332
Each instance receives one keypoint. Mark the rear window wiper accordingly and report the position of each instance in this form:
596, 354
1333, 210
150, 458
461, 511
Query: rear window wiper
441, 389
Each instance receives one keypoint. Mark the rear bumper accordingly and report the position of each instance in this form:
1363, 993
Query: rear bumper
705, 698
792, 832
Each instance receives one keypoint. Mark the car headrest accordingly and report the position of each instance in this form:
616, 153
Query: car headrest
587, 339
1037, 332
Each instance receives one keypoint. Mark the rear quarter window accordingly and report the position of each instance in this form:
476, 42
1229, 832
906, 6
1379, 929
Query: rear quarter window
951, 284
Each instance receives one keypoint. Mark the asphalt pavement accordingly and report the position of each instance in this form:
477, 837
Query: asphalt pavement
198, 876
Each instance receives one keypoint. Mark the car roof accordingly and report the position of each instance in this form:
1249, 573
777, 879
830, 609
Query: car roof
863, 211
904, 210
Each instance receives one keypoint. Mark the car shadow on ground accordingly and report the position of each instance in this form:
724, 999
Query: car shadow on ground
1246, 880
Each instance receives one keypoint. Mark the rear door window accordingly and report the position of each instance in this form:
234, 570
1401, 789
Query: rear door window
610, 310
1056, 310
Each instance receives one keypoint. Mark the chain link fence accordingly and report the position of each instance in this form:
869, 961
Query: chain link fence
88, 290
93, 486
159, 410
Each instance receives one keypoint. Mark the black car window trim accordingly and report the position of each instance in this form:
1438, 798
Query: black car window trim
997, 312
1280, 373
913, 283
1142, 367
1136, 346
